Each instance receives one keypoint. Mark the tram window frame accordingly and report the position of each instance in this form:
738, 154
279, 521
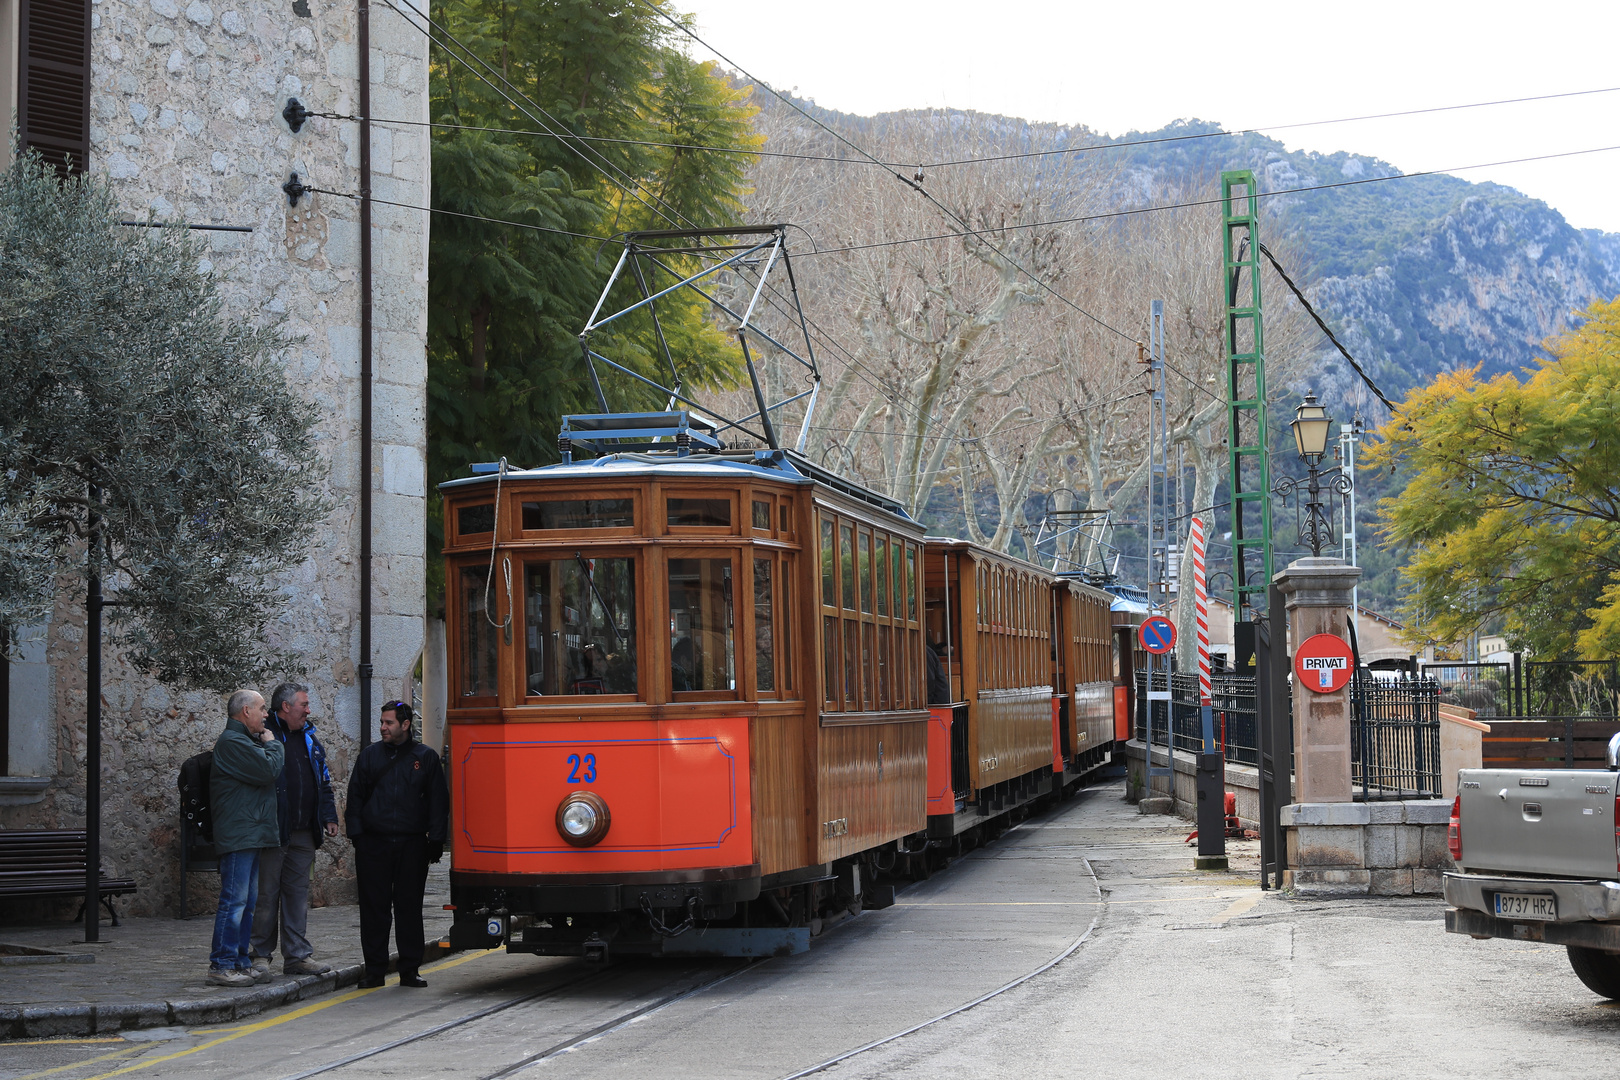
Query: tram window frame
732, 528
522, 498
460, 614
638, 579
460, 508
665, 646
866, 666
782, 626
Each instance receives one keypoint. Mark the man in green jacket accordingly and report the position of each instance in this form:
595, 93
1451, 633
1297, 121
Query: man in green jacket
242, 794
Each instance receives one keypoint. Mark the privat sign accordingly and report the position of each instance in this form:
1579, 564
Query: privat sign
1323, 663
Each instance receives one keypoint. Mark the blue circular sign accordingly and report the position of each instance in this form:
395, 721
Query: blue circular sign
1157, 634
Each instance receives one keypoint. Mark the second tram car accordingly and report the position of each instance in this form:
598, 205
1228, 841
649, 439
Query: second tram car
689, 709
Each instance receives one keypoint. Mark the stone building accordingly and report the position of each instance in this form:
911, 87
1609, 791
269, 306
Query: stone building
179, 104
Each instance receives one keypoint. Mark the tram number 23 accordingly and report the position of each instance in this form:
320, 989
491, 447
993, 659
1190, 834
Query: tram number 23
582, 770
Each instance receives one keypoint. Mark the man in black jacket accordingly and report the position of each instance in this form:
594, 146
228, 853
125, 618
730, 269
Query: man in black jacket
398, 816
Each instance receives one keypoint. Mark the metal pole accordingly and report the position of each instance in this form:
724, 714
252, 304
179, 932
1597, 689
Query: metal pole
1158, 535
92, 731
365, 671
1349, 435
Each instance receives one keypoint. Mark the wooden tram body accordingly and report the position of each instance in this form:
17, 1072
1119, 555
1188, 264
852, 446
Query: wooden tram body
716, 663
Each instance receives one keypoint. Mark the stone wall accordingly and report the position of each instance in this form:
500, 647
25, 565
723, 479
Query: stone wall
186, 121
1395, 848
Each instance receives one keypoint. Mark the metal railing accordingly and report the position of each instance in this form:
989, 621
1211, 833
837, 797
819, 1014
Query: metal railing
1232, 700
1395, 738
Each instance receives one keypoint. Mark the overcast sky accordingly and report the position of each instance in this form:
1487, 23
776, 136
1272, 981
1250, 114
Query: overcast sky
1118, 67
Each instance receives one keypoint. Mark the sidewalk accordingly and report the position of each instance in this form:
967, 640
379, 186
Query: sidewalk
150, 972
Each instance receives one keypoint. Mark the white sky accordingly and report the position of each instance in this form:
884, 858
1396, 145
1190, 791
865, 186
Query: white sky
1120, 66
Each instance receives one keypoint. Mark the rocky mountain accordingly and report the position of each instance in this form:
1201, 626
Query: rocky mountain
1417, 275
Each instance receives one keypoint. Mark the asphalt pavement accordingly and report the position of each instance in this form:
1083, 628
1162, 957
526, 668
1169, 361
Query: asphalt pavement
1082, 943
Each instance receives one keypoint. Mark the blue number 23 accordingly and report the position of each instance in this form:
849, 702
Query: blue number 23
588, 763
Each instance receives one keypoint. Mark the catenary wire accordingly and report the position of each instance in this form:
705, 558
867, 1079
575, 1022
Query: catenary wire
1088, 148
1324, 327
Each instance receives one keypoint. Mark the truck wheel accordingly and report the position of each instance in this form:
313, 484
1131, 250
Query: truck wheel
1599, 970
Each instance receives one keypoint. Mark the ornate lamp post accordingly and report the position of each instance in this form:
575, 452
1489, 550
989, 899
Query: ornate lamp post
1311, 425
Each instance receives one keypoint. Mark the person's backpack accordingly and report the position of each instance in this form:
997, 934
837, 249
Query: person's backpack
195, 775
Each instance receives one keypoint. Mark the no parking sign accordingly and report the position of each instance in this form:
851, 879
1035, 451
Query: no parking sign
1323, 663
1157, 634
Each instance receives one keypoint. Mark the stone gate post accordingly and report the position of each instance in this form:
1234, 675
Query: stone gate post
1319, 599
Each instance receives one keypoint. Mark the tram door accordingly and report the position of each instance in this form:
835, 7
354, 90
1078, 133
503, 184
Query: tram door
942, 583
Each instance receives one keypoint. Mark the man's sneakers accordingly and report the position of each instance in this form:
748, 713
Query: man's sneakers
305, 966
260, 971
231, 977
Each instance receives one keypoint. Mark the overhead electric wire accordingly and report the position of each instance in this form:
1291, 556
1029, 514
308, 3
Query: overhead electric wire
918, 188
1080, 218
620, 180
1277, 266
947, 163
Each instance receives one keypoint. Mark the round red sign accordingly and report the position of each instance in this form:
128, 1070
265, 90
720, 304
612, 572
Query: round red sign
1323, 663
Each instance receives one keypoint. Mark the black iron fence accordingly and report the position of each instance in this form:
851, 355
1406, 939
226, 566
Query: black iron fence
1232, 711
1395, 738
1546, 689
1395, 734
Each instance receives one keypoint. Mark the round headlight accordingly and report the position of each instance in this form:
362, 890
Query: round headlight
583, 818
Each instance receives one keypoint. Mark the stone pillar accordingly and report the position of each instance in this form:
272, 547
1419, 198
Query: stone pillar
1319, 599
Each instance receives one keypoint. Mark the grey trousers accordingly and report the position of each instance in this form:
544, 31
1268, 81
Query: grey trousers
284, 899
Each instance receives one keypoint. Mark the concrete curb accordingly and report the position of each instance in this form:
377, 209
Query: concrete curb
35, 1023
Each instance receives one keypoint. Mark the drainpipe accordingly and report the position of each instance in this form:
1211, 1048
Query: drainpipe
364, 45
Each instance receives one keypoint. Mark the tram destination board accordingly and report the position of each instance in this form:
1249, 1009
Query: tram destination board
1157, 635
1323, 663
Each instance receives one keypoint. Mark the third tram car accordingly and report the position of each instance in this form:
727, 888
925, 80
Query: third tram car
690, 701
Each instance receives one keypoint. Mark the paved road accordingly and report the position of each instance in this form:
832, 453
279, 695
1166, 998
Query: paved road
1175, 973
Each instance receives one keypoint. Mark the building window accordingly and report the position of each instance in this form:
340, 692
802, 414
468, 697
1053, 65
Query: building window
52, 78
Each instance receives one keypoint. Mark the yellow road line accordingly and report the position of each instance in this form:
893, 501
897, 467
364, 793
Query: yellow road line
80, 1064
1239, 906
277, 1020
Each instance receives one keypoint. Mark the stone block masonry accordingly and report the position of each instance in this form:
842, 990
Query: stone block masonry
186, 103
1367, 849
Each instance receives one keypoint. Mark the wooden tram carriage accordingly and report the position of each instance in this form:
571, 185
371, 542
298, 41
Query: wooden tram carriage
689, 693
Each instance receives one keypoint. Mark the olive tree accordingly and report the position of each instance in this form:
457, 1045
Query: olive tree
122, 375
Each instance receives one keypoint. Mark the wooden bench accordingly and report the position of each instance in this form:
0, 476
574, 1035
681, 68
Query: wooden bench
51, 862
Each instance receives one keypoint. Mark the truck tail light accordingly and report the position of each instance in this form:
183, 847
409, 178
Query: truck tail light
1454, 831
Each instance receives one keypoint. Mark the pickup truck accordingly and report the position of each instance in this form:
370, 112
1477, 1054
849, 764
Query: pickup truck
1538, 859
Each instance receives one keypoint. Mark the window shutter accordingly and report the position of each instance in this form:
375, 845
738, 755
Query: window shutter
53, 81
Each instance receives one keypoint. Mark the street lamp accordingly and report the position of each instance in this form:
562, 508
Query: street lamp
1311, 426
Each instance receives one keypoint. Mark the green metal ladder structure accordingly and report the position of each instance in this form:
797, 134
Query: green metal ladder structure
1248, 448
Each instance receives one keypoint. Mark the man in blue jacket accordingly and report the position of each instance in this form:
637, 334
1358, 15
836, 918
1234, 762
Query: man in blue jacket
306, 813
242, 793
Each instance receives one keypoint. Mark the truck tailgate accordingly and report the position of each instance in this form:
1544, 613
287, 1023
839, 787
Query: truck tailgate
1557, 822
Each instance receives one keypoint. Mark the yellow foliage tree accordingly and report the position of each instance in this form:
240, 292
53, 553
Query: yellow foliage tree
1513, 509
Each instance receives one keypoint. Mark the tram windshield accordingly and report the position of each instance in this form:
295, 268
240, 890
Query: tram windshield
580, 626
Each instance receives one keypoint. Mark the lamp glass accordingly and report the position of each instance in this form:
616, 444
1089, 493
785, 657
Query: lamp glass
1311, 424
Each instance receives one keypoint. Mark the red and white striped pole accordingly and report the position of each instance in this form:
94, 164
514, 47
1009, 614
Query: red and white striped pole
1201, 608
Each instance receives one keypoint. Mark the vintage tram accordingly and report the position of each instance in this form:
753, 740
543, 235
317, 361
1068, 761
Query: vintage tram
689, 704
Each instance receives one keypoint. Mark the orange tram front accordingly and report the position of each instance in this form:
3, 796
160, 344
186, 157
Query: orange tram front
689, 702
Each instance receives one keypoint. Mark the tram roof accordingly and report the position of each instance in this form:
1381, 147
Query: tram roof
783, 466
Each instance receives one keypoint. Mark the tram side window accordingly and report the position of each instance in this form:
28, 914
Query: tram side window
580, 627
764, 626
478, 635
579, 514
699, 512
475, 519
701, 650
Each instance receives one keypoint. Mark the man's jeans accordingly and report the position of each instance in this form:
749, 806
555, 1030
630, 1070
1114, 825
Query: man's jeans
284, 892
233, 922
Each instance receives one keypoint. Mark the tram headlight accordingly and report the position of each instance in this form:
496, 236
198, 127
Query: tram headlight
583, 818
